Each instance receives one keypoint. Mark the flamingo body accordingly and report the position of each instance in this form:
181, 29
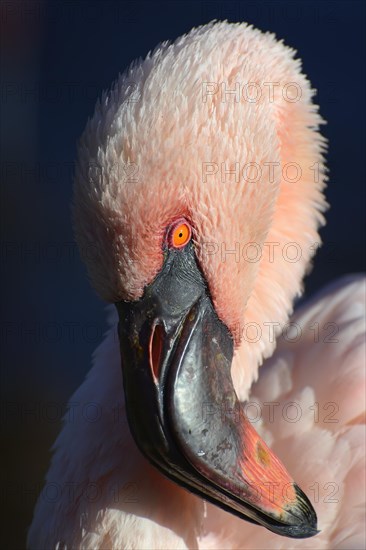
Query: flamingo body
108, 494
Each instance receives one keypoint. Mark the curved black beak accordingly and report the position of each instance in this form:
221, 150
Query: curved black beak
182, 407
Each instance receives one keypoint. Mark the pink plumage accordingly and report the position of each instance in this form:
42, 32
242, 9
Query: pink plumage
178, 136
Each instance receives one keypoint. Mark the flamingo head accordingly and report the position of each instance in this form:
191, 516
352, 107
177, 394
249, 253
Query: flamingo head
196, 208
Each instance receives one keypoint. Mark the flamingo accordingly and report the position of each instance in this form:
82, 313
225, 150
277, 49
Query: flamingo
198, 199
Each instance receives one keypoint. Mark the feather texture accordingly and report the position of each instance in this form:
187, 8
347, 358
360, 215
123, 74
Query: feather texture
159, 146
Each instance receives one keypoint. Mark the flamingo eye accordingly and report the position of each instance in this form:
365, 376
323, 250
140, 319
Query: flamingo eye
180, 234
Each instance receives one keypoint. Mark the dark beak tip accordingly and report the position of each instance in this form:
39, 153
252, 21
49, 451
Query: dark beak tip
301, 532
307, 527
305, 507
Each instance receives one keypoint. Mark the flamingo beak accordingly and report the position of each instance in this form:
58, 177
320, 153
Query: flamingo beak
182, 407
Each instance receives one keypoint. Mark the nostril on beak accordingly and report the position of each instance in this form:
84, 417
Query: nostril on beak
155, 350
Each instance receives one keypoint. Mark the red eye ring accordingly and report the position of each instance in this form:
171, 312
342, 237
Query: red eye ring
179, 234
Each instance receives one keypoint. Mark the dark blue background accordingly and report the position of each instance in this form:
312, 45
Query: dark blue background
58, 57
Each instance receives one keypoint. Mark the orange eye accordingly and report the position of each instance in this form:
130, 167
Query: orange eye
180, 234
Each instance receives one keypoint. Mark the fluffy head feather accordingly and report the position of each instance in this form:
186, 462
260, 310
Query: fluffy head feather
145, 159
